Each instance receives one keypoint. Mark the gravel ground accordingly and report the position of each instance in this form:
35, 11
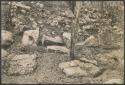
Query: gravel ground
49, 72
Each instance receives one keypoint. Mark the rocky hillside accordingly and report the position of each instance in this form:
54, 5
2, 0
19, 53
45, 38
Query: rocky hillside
36, 42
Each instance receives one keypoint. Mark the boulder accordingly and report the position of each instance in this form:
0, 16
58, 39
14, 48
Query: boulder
30, 37
90, 41
78, 68
69, 13
64, 65
114, 81
67, 39
73, 63
22, 64
60, 49
4, 54
19, 4
48, 40
75, 71
7, 38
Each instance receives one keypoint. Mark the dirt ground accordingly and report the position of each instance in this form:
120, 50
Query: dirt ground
49, 72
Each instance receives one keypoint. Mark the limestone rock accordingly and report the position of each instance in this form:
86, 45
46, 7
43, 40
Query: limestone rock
7, 38
19, 4
114, 81
64, 65
78, 68
69, 13
22, 64
90, 41
73, 63
61, 49
67, 39
4, 54
75, 71
47, 40
30, 37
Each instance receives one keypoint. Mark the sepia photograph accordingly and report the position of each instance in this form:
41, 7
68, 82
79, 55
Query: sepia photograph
62, 42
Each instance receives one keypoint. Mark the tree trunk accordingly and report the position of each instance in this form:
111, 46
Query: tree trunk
75, 27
